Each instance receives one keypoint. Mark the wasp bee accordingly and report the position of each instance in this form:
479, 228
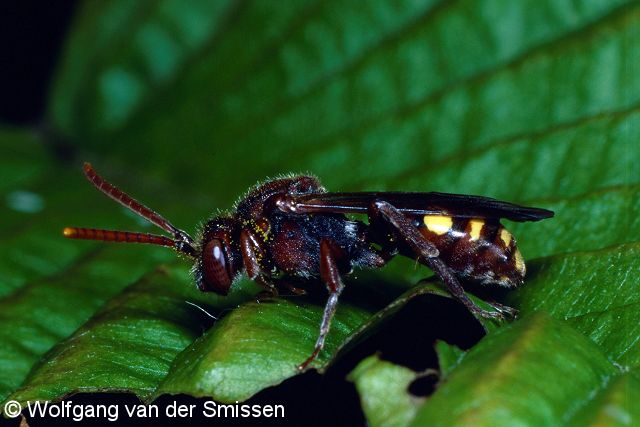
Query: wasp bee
293, 227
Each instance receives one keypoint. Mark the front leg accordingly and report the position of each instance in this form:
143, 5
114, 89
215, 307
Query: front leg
252, 255
426, 252
330, 252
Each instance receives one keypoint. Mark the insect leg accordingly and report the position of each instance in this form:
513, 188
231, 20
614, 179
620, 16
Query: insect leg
330, 274
252, 255
427, 253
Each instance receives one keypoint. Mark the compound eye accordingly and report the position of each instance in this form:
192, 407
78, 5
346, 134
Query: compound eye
215, 266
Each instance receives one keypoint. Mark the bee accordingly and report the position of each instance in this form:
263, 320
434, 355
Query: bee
293, 227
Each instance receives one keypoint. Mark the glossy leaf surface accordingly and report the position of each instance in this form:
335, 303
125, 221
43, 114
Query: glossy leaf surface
187, 105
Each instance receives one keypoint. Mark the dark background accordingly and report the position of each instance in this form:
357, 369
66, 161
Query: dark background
33, 34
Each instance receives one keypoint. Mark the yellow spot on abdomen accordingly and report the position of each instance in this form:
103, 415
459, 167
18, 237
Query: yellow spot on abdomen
506, 237
439, 224
476, 228
520, 267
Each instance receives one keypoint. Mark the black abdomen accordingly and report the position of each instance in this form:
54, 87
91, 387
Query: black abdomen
475, 248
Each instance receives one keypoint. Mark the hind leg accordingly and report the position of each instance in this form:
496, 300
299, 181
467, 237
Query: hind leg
426, 253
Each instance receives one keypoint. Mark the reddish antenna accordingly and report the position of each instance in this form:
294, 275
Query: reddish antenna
181, 241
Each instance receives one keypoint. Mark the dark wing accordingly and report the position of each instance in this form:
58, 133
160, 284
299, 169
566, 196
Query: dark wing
458, 205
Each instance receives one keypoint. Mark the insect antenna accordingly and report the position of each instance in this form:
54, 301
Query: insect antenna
117, 236
181, 241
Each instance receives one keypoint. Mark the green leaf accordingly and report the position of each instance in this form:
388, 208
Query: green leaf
601, 300
500, 381
163, 37
129, 344
47, 311
43, 274
596, 220
257, 346
186, 105
433, 81
23, 159
144, 341
449, 356
384, 392
614, 404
